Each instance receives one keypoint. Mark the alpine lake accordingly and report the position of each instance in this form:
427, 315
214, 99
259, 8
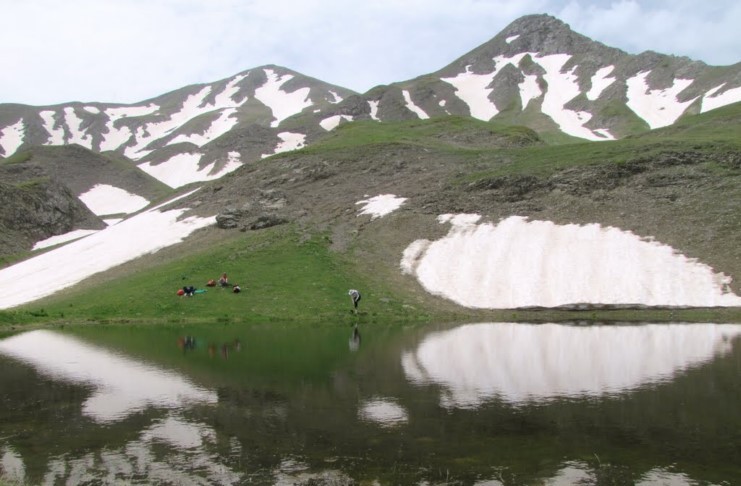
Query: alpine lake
280, 404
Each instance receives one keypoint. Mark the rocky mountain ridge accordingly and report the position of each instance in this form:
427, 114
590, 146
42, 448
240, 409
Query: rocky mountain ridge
537, 72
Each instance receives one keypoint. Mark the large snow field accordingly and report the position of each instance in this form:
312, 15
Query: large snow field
519, 363
282, 103
65, 266
183, 169
521, 263
122, 386
11, 137
658, 107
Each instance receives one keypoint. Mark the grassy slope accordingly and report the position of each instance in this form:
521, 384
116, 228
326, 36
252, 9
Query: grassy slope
292, 273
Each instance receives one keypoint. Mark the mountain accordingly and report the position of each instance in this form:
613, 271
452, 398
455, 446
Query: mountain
537, 72
475, 187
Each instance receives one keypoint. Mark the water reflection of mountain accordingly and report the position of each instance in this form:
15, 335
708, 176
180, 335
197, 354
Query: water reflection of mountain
299, 406
519, 363
121, 386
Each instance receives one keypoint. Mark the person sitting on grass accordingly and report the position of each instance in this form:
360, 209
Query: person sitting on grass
223, 281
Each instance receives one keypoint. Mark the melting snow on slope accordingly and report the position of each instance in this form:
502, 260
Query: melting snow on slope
76, 133
58, 239
63, 267
519, 363
511, 38
122, 386
222, 124
193, 106
282, 103
115, 137
562, 88
381, 205
712, 101
332, 122
472, 89
56, 135
658, 107
289, 141
520, 263
600, 81
105, 199
374, 109
182, 169
11, 137
412, 107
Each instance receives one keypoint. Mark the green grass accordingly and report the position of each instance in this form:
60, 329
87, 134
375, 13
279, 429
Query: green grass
281, 276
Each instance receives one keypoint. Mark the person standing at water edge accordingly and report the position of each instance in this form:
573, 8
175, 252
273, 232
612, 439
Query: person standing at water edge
355, 296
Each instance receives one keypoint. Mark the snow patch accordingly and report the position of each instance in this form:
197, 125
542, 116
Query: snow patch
337, 98
374, 109
562, 88
282, 103
529, 90
472, 89
59, 239
105, 199
193, 106
115, 137
332, 122
511, 38
11, 137
600, 81
520, 263
76, 133
182, 169
380, 205
225, 122
412, 107
658, 107
92, 109
63, 267
289, 141
56, 135
522, 363
712, 101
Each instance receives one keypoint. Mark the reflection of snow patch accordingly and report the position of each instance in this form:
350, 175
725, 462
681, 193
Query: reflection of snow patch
518, 363
384, 412
381, 205
122, 386
518, 263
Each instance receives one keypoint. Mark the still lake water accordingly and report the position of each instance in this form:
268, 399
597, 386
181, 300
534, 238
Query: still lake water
483, 404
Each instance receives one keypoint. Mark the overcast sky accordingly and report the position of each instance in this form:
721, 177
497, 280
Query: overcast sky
124, 51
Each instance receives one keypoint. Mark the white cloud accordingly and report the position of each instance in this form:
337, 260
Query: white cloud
131, 50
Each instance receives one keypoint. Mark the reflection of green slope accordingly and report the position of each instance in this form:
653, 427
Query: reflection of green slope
282, 356
298, 393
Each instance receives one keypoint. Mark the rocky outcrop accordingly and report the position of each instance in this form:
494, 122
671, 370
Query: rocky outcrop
34, 206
